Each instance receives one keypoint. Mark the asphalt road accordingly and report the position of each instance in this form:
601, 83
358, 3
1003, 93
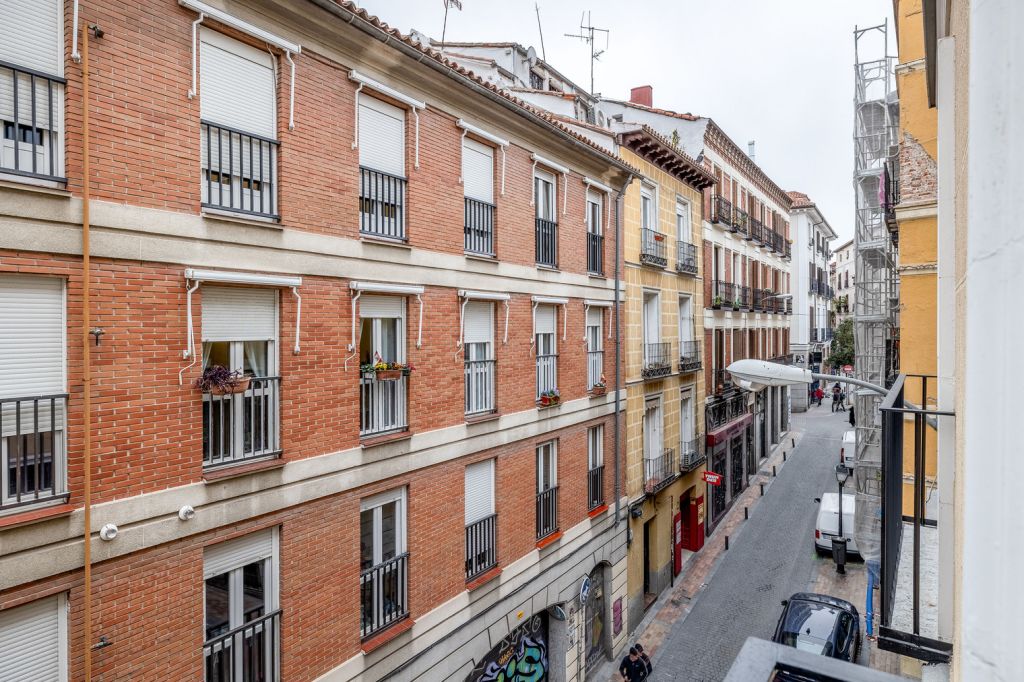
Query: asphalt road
771, 558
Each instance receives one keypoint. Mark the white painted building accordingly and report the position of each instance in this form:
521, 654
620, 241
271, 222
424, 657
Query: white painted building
810, 328
843, 278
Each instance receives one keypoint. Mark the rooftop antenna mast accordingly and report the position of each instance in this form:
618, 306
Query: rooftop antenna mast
540, 30
586, 34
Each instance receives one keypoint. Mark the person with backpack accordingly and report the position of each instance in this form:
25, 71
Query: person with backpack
645, 659
632, 668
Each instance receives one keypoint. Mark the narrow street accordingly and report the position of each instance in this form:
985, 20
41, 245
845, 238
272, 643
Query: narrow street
768, 560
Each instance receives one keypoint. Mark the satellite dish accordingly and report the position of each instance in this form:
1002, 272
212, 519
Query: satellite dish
531, 56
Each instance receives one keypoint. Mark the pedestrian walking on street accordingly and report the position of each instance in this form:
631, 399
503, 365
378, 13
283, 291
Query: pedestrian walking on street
645, 659
842, 401
853, 420
835, 397
819, 394
632, 668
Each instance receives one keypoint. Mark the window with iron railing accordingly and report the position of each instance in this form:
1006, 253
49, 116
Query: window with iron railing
595, 235
481, 545
595, 466
653, 248
31, 122
383, 396
547, 489
381, 204
721, 210
546, 220
32, 450
239, 171
479, 227
384, 562
686, 258
689, 356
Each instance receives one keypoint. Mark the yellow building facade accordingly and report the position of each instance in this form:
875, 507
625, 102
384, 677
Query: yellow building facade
912, 210
663, 363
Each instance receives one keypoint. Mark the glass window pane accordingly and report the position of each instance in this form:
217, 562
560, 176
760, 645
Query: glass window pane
253, 590
389, 530
216, 353
366, 340
366, 539
254, 362
388, 344
218, 616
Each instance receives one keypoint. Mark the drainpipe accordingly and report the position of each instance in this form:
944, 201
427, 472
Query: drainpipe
618, 344
86, 374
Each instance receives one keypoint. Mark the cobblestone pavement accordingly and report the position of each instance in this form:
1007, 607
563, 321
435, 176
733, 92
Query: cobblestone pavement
696, 629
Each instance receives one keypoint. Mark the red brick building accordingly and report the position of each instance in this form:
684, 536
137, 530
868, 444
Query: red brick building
414, 462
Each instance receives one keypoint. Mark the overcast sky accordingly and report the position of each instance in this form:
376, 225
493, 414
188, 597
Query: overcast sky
776, 71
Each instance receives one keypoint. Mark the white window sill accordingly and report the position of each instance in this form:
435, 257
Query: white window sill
481, 257
383, 241
22, 183
548, 268
242, 219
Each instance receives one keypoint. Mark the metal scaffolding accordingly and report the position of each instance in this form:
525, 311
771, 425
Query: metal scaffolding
876, 306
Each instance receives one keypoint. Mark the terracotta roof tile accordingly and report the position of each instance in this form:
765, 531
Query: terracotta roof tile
800, 200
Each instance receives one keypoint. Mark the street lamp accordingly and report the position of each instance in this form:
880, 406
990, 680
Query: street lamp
839, 543
757, 374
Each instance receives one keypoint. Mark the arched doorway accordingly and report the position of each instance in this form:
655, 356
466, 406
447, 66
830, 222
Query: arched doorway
595, 621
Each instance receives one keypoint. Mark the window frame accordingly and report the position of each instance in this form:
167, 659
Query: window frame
683, 210
542, 177
375, 504
551, 471
595, 447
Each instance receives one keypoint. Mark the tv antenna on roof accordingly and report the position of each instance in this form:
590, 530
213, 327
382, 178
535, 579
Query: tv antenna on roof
586, 34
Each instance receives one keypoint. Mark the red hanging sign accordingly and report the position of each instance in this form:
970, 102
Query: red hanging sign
712, 478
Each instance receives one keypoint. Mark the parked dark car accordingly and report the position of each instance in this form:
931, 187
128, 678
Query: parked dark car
820, 624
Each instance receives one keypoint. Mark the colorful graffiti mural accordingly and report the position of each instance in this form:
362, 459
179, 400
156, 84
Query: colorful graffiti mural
522, 656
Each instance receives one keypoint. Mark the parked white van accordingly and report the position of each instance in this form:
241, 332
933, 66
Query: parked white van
848, 450
827, 526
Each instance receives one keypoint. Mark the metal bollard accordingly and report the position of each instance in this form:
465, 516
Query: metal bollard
773, 470
762, 490
746, 513
792, 442
783, 455
727, 543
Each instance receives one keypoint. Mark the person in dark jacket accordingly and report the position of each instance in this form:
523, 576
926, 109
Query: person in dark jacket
853, 420
645, 659
632, 668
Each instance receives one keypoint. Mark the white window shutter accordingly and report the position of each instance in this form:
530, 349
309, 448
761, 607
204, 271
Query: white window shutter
236, 85
239, 313
594, 317
479, 490
478, 170
380, 306
239, 552
30, 642
479, 322
32, 35
546, 319
32, 330
381, 136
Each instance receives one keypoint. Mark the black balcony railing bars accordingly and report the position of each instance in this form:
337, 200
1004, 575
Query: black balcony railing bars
653, 248
33, 430
691, 454
689, 356
743, 297
547, 512
239, 171
595, 253
595, 487
384, 594
250, 652
481, 545
741, 222
659, 470
757, 229
723, 294
242, 426
721, 210
657, 362
722, 380
686, 258
479, 227
546, 243
381, 204
31, 142
721, 412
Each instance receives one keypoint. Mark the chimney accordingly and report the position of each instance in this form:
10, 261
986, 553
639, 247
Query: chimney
642, 95
750, 149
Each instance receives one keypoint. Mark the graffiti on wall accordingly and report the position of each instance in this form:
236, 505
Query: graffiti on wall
522, 656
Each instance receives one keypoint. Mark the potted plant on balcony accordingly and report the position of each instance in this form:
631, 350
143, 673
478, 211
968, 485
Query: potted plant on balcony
599, 387
550, 398
219, 380
381, 370
717, 302
736, 304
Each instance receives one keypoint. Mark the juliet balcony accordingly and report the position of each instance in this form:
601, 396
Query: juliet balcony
659, 470
653, 248
657, 362
689, 356
686, 258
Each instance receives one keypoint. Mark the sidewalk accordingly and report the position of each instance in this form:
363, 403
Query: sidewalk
673, 605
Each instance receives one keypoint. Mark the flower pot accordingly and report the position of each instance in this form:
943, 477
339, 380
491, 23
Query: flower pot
545, 401
597, 390
238, 386
389, 374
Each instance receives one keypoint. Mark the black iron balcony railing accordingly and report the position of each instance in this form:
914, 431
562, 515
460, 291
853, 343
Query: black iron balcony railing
788, 250
657, 361
756, 232
721, 211
686, 258
814, 335
691, 454
547, 512
384, 594
595, 253
251, 652
595, 487
721, 380
757, 299
743, 296
777, 242
723, 294
479, 227
595, 367
34, 465
653, 248
479, 375
546, 242
689, 356
381, 204
382, 405
242, 426
659, 470
239, 171
32, 118
722, 411
741, 222
481, 545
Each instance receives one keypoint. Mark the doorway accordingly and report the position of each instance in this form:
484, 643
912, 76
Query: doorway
648, 596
